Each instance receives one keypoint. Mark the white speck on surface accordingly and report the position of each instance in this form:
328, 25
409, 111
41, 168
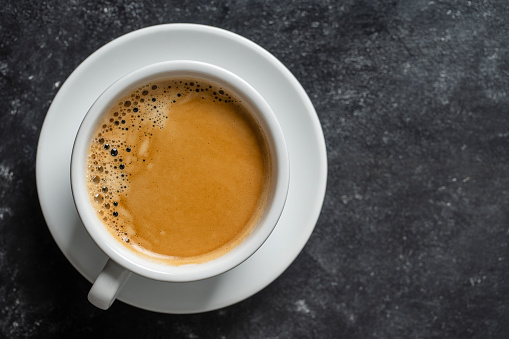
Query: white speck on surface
15, 106
406, 67
302, 307
4, 68
57, 84
6, 173
4, 211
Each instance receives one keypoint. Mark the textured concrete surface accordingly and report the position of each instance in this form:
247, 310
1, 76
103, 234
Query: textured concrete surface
413, 238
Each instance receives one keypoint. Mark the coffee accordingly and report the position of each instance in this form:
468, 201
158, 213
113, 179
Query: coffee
179, 170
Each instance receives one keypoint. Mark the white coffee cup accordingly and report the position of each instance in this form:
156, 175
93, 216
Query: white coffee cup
122, 261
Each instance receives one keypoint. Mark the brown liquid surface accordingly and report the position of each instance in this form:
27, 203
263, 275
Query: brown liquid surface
179, 171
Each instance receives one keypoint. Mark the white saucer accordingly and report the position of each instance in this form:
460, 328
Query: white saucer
263, 71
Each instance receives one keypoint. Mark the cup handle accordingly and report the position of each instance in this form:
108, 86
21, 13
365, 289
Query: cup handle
107, 285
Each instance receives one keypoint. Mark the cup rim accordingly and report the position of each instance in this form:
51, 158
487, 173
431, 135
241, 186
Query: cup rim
128, 258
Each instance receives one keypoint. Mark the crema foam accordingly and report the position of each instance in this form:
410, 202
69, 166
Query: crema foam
179, 171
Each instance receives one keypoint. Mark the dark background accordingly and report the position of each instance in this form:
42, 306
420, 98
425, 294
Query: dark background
413, 237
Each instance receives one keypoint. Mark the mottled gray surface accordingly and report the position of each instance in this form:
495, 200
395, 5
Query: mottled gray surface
413, 238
